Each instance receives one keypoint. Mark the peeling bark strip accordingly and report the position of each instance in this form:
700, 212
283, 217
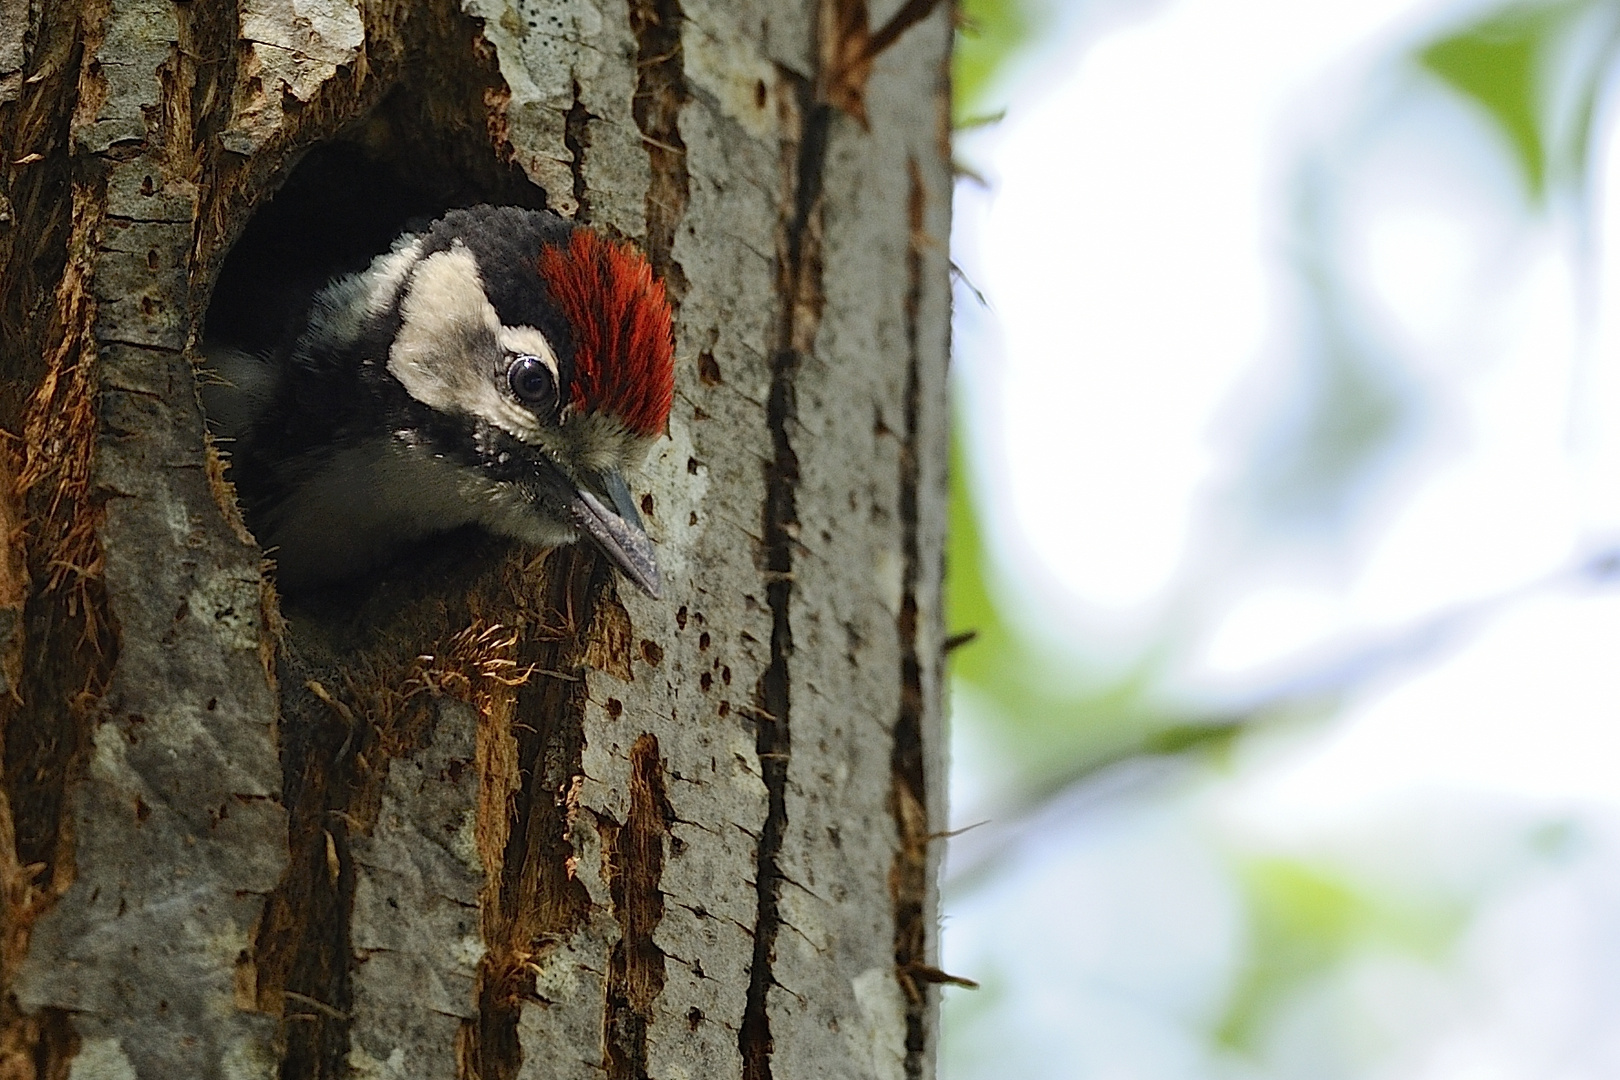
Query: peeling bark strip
50, 410
799, 287
661, 92
908, 798
369, 947
346, 749
67, 644
633, 863
65, 563
533, 901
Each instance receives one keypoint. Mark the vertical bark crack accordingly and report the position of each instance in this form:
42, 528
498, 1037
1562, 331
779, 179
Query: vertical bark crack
577, 139
799, 290
633, 856
908, 802
661, 92
303, 941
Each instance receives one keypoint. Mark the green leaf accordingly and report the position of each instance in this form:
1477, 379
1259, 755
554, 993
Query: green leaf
990, 35
1306, 921
1500, 63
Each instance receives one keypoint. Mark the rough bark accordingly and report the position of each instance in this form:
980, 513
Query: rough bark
488, 815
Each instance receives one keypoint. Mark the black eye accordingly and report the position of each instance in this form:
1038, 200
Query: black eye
532, 383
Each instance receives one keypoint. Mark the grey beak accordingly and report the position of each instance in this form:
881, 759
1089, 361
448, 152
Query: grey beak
620, 536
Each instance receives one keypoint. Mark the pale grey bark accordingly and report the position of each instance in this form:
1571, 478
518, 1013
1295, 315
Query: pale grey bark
524, 823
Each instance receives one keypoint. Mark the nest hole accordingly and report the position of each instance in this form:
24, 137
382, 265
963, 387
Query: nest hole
342, 203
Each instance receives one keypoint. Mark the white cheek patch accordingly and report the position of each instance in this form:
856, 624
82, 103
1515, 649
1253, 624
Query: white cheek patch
446, 326
451, 346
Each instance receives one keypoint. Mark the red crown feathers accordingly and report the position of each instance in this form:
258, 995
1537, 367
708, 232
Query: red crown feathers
624, 341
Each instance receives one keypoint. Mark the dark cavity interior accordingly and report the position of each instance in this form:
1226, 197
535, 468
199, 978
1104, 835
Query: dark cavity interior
342, 205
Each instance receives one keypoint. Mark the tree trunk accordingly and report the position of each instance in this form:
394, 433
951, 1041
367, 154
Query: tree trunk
492, 816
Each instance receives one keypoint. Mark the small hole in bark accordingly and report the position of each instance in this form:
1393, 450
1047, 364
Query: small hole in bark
647, 505
615, 708
651, 653
692, 465
680, 617
694, 1017
691, 519
705, 681
708, 369
761, 94
704, 640
725, 708
152, 260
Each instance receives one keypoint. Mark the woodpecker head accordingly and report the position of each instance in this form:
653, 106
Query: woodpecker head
502, 368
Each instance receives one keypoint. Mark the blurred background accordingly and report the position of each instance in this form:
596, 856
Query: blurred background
1287, 518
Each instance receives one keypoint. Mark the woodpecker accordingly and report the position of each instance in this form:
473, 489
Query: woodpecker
500, 368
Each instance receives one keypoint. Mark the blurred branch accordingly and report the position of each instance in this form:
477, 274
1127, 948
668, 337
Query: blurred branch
969, 123
1167, 752
960, 275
